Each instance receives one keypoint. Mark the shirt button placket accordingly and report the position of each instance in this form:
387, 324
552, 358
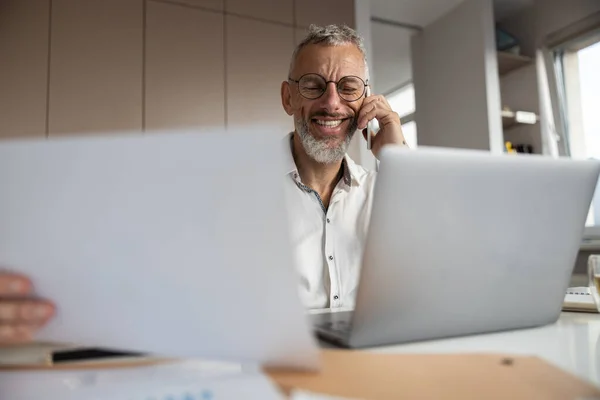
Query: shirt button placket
333, 272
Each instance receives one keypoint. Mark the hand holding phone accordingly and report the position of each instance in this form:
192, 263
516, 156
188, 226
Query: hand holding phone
379, 123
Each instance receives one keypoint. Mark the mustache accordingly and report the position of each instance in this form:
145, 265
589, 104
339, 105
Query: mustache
331, 115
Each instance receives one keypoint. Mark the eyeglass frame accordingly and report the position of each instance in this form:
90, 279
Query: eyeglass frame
365, 83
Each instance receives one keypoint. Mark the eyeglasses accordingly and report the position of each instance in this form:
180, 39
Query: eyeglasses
312, 86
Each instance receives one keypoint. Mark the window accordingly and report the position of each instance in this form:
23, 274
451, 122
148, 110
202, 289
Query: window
402, 101
579, 94
576, 65
589, 132
589, 80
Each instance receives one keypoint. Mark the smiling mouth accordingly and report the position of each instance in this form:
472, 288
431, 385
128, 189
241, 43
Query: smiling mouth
329, 123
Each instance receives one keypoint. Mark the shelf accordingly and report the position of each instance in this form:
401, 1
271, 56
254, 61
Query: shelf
508, 62
511, 119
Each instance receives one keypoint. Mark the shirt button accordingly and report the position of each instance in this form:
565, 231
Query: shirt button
328, 221
331, 257
336, 297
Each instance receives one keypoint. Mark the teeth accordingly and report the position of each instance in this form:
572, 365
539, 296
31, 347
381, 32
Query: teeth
330, 124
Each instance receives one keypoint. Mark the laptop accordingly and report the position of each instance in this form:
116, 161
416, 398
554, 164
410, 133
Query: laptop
464, 242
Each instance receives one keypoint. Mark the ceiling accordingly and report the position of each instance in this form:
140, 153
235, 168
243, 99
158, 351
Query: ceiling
424, 12
503, 8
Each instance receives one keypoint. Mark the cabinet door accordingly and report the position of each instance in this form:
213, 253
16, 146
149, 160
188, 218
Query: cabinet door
184, 85
326, 12
299, 35
258, 58
95, 66
24, 66
216, 5
278, 11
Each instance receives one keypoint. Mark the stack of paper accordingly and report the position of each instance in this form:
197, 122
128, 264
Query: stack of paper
579, 299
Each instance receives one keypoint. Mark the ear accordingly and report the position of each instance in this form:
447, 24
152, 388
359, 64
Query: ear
286, 98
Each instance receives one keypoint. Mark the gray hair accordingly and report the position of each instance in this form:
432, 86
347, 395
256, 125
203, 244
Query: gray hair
331, 35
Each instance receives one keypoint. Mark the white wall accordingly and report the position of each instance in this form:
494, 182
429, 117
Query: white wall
76, 66
391, 57
455, 73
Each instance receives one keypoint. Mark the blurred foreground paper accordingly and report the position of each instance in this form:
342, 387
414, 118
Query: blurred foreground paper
181, 381
172, 243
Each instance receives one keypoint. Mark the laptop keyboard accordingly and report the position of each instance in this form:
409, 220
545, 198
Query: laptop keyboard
341, 327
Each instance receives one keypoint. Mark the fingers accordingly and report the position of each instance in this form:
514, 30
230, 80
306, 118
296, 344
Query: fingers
14, 285
20, 319
21, 315
376, 107
366, 113
16, 334
25, 311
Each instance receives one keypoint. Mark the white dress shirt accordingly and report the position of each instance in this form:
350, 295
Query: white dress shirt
328, 243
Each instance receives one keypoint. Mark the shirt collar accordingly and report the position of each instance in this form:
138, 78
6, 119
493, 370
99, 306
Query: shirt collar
351, 172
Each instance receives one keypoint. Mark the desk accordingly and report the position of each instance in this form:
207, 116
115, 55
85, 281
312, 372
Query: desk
572, 344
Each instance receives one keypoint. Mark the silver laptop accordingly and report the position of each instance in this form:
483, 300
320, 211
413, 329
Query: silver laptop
464, 242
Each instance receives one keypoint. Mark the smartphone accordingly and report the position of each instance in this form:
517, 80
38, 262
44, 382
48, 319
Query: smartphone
369, 124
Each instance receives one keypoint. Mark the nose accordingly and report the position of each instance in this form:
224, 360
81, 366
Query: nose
331, 99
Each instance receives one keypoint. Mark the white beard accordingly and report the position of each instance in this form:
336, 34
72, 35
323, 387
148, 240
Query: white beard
321, 150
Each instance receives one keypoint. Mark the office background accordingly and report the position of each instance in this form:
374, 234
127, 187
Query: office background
102, 66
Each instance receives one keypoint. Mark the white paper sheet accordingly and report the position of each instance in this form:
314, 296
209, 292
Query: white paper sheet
306, 395
173, 244
182, 381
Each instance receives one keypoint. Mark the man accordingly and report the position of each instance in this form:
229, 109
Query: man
330, 196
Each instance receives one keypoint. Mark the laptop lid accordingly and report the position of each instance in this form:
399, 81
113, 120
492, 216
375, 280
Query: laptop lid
465, 241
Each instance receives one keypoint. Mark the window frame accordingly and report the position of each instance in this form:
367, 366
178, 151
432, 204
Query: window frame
560, 57
409, 116
566, 42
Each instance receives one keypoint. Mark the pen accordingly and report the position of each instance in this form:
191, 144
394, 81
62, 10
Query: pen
88, 354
